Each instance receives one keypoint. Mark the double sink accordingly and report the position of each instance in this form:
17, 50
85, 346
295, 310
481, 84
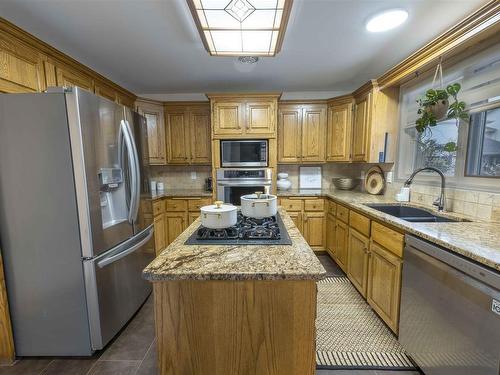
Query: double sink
412, 214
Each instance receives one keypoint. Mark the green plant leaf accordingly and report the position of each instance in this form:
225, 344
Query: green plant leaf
450, 147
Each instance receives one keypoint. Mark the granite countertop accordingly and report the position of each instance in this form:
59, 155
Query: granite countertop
237, 262
180, 193
474, 240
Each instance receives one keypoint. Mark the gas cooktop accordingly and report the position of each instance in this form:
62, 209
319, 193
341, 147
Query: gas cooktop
247, 231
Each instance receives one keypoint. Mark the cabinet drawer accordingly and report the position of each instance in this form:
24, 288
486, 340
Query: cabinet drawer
196, 204
173, 204
343, 213
332, 208
314, 205
158, 207
360, 223
292, 204
388, 238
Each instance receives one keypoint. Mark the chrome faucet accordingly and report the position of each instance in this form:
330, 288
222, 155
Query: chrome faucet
440, 201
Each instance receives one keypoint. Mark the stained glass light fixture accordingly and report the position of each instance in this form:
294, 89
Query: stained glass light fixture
241, 27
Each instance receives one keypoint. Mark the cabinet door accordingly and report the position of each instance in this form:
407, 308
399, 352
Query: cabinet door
228, 118
156, 132
384, 285
360, 134
67, 78
341, 244
175, 224
330, 235
314, 229
313, 133
261, 118
297, 219
192, 216
200, 135
105, 91
21, 68
338, 140
289, 134
159, 229
357, 260
178, 145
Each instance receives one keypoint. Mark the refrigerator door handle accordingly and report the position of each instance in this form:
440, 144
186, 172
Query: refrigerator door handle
133, 176
111, 259
136, 191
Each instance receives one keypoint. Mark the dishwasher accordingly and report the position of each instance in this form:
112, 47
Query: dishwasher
450, 311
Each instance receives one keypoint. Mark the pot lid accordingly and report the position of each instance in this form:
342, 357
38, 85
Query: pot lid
259, 195
218, 207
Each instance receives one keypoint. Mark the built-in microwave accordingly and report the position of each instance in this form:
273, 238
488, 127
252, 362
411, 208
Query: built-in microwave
244, 153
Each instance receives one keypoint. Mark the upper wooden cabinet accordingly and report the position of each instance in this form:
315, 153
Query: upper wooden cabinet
105, 91
339, 129
188, 133
244, 116
21, 67
375, 115
301, 133
153, 112
66, 77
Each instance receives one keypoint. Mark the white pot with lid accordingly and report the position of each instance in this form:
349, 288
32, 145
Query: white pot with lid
218, 215
259, 205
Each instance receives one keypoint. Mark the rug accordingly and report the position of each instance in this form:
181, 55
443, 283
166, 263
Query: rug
349, 335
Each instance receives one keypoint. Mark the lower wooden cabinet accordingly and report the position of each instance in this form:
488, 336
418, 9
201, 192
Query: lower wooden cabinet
192, 216
330, 235
308, 215
357, 260
384, 284
175, 224
314, 229
297, 219
159, 232
341, 244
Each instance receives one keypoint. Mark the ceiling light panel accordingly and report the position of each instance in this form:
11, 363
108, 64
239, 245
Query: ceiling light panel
241, 27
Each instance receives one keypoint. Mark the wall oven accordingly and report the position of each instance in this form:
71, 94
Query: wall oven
232, 183
244, 153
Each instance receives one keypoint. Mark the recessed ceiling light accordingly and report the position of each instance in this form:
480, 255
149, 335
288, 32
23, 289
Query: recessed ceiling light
386, 20
248, 59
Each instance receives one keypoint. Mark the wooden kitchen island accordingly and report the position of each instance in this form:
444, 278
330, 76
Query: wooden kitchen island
236, 309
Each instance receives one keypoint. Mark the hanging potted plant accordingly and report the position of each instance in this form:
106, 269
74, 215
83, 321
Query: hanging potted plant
435, 105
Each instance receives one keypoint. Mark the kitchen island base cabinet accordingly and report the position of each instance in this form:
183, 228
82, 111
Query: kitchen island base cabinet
246, 327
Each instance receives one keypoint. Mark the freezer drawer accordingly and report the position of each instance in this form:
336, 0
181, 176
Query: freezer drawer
448, 321
114, 286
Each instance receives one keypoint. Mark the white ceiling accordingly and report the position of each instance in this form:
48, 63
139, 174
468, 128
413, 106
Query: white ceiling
153, 46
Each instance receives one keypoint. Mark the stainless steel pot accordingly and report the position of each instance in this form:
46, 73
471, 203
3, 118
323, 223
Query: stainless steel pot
218, 215
259, 205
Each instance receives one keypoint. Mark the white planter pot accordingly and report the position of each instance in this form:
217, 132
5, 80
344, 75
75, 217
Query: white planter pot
219, 215
283, 182
259, 205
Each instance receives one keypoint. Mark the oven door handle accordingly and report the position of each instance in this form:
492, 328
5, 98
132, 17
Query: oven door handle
246, 183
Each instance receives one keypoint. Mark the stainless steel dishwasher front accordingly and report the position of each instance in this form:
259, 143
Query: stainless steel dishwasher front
450, 312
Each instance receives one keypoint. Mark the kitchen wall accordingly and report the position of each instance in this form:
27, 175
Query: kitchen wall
329, 171
479, 205
179, 176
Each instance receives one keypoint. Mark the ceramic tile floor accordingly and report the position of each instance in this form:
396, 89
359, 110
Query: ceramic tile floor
133, 351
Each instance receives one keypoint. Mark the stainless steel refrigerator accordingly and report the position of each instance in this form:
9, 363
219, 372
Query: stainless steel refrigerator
74, 240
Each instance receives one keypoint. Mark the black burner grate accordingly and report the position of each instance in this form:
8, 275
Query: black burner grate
246, 231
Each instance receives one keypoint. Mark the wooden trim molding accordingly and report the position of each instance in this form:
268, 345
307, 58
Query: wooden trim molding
52, 53
244, 95
483, 22
339, 100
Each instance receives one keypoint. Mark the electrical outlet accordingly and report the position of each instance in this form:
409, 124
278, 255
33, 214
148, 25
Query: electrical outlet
193, 175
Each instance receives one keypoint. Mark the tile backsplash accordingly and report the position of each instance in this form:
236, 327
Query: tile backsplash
480, 205
179, 176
